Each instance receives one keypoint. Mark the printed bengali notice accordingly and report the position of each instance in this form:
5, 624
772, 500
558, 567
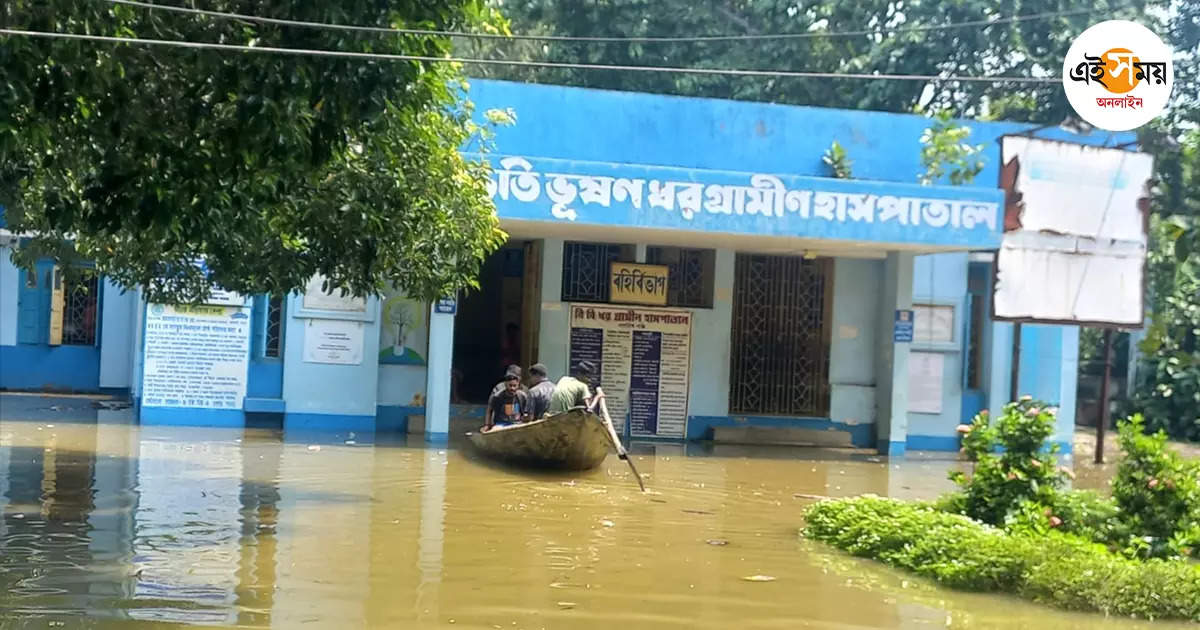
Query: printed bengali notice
196, 356
646, 357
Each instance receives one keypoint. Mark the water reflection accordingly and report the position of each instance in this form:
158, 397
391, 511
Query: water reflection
109, 525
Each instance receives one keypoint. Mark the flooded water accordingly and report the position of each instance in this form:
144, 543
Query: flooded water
107, 525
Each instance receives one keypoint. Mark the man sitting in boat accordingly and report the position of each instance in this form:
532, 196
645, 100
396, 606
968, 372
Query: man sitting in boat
541, 392
572, 391
510, 406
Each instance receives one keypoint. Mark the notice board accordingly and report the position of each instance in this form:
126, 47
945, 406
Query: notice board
643, 359
196, 356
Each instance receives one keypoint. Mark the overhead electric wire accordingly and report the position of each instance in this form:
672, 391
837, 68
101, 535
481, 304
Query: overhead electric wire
607, 39
796, 74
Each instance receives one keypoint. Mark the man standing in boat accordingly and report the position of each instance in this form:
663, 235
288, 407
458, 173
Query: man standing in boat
541, 392
513, 369
510, 406
572, 391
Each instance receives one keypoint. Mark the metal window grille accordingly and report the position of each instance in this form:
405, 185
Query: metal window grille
586, 270
274, 336
690, 274
780, 340
79, 311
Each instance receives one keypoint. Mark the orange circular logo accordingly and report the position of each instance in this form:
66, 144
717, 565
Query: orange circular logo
1120, 70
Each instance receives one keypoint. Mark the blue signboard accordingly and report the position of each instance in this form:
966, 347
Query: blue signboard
632, 195
447, 305
902, 330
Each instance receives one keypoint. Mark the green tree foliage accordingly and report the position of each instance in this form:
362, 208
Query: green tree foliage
1013, 48
1167, 382
1168, 378
271, 168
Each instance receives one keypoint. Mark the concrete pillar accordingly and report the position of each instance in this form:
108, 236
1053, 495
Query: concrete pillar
554, 327
437, 375
1064, 430
639, 253
1000, 375
891, 425
137, 319
10, 279
116, 337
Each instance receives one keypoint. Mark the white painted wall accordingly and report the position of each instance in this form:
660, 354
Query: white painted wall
117, 336
857, 291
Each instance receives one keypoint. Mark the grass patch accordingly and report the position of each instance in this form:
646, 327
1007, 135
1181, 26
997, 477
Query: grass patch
961, 553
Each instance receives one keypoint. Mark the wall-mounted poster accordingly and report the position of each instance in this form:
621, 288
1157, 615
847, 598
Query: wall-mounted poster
925, 374
403, 332
643, 357
196, 356
316, 299
334, 341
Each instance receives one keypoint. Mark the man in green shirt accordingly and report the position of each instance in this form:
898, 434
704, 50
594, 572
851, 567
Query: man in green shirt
572, 391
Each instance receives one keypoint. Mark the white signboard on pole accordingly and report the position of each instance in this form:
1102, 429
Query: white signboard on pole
1074, 245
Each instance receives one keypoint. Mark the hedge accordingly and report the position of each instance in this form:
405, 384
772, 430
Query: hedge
1054, 568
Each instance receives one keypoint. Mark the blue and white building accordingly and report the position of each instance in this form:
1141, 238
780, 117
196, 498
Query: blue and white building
798, 306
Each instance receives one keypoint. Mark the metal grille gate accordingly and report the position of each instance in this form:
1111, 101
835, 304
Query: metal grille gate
780, 340
79, 311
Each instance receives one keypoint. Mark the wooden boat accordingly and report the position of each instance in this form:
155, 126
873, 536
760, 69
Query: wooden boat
573, 440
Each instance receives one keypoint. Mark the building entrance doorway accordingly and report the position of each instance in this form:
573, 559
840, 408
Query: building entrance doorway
781, 333
497, 324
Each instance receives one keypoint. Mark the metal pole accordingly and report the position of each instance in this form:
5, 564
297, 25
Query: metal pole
1014, 388
1102, 423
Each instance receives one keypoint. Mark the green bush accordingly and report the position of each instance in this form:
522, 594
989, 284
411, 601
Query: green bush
1158, 493
1080, 512
950, 548
1114, 585
1025, 470
1052, 567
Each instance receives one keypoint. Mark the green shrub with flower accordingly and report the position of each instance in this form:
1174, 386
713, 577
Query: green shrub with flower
1012, 466
1158, 493
1015, 526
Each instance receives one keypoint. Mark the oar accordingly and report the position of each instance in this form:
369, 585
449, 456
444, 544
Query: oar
612, 434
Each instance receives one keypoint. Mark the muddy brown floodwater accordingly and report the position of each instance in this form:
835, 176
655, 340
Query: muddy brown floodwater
107, 525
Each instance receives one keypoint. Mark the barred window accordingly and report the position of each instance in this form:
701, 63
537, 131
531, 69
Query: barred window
274, 337
975, 342
80, 303
690, 274
586, 269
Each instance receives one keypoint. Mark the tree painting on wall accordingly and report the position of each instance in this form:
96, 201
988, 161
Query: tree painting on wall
402, 335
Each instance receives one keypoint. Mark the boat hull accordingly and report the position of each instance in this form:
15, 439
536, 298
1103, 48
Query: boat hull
574, 440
